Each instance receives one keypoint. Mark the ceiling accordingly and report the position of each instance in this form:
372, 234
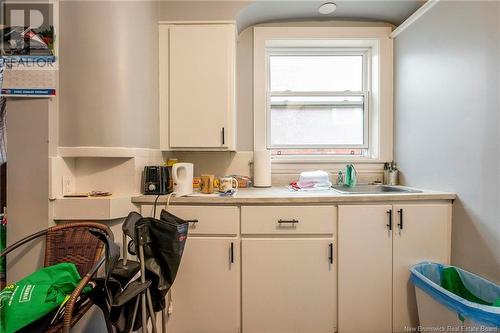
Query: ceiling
391, 11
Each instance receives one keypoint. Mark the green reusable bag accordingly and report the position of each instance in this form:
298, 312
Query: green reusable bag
36, 295
451, 281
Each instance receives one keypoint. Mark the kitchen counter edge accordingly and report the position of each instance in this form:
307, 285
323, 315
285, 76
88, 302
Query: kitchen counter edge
277, 196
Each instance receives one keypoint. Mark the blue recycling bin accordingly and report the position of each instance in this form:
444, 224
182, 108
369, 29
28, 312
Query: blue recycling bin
442, 309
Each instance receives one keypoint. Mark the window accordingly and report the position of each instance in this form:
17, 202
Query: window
322, 95
318, 101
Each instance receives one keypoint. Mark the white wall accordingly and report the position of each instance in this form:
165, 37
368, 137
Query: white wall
27, 181
200, 10
108, 74
447, 121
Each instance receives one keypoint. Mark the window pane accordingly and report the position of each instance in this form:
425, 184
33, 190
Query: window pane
316, 73
310, 125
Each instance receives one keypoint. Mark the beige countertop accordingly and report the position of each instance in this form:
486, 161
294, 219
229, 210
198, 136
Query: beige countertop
282, 195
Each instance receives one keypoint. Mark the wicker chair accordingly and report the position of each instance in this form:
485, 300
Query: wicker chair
73, 243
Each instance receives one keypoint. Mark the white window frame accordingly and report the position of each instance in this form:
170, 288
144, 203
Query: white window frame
364, 52
380, 99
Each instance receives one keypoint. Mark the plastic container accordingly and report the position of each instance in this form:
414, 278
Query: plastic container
440, 310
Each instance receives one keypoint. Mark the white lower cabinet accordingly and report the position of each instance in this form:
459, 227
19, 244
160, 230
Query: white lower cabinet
425, 235
206, 291
377, 246
274, 269
288, 269
365, 269
288, 285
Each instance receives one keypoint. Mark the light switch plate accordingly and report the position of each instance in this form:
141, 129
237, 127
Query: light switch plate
68, 185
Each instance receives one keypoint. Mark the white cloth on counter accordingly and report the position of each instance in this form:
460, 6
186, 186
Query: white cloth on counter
316, 180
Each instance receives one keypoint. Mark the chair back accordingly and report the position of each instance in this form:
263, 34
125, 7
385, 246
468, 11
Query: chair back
72, 242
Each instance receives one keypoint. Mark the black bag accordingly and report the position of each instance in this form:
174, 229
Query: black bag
163, 248
163, 254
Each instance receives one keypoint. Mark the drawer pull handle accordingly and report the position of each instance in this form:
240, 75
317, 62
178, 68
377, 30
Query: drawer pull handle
288, 221
192, 221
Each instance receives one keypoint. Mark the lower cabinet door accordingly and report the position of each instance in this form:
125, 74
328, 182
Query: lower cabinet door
288, 285
421, 233
365, 268
206, 292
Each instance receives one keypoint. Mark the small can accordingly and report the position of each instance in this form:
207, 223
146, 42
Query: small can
393, 177
207, 184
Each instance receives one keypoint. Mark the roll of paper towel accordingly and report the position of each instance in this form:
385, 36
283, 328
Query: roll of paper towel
262, 168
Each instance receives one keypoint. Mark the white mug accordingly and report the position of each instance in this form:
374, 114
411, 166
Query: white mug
226, 184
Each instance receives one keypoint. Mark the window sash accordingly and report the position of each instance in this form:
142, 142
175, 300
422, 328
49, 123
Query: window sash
364, 52
321, 51
365, 143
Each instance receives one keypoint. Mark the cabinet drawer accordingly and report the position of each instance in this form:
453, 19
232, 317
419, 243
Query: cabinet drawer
288, 220
209, 220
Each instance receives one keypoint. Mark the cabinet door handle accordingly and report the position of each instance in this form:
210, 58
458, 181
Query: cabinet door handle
389, 213
192, 221
400, 224
223, 136
293, 221
330, 253
231, 253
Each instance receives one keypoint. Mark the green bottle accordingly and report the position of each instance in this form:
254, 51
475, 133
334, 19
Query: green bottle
350, 176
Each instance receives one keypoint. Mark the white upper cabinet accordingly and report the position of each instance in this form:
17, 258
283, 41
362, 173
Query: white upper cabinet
197, 86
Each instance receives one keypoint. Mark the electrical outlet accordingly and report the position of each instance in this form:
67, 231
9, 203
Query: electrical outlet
68, 185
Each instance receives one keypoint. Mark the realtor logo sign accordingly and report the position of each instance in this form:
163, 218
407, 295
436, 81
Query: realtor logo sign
27, 47
27, 28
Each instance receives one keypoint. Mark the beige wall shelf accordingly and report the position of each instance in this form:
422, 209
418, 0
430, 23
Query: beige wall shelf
93, 208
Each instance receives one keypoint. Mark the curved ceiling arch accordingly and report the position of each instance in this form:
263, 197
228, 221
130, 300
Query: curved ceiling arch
394, 11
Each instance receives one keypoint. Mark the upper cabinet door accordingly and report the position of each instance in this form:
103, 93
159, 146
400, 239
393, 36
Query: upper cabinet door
421, 233
365, 268
201, 85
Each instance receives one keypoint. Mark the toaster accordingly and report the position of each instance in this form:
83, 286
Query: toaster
155, 180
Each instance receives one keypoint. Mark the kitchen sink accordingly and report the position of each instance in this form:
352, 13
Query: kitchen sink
373, 189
